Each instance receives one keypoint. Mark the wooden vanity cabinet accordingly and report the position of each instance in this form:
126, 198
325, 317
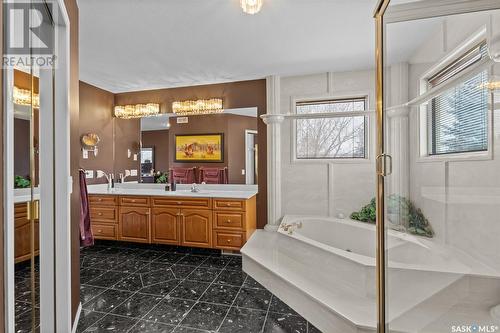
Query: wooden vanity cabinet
196, 227
104, 216
165, 226
196, 222
22, 233
134, 224
234, 222
182, 221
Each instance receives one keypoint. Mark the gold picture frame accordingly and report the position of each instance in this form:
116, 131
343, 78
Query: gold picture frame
199, 148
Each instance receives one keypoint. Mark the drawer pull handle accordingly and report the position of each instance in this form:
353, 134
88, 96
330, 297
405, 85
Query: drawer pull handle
229, 241
100, 214
133, 200
100, 230
228, 221
99, 199
179, 202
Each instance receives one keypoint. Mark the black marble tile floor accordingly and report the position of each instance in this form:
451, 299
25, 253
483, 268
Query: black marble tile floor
143, 288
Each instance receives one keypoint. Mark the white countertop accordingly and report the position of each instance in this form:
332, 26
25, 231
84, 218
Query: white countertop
206, 191
24, 194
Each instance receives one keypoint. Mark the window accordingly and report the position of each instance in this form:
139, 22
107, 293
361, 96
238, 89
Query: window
331, 129
458, 118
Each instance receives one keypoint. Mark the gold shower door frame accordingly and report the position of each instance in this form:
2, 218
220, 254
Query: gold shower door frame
383, 160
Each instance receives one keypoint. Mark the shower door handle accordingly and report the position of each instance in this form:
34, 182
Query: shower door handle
384, 165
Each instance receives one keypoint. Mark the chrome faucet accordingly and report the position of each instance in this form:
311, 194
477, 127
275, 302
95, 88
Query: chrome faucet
291, 227
195, 188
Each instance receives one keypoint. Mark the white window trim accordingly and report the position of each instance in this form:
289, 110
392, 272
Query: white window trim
423, 153
369, 113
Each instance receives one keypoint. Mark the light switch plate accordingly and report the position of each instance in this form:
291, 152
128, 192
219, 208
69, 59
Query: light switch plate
89, 174
135, 157
85, 154
133, 172
243, 172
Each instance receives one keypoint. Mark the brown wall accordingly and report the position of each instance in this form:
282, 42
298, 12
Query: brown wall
22, 147
236, 144
160, 142
72, 9
235, 95
96, 106
116, 135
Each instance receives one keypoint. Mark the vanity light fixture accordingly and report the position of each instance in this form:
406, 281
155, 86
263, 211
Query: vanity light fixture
22, 96
251, 6
201, 106
137, 110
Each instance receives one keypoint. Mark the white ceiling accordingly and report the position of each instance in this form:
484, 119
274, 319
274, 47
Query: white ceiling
128, 45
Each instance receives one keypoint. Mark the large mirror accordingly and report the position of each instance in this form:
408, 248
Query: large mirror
211, 148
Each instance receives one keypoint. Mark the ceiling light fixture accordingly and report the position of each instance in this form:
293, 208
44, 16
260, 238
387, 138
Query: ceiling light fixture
23, 97
201, 106
251, 6
137, 110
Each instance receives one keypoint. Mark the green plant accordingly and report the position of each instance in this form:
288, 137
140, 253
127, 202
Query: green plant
161, 177
21, 182
401, 212
366, 214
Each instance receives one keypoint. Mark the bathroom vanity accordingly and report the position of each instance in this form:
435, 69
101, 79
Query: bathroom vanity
219, 216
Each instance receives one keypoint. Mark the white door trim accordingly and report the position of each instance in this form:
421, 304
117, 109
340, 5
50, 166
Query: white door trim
247, 162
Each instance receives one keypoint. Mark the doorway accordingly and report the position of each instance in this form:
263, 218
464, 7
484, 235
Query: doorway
251, 159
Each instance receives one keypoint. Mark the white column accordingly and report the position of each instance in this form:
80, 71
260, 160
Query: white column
273, 120
398, 134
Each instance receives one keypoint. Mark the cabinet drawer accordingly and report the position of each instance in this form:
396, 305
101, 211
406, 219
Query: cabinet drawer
133, 201
104, 214
228, 240
104, 231
103, 200
229, 220
228, 204
182, 202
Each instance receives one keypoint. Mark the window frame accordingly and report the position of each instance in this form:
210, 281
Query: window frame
424, 135
367, 113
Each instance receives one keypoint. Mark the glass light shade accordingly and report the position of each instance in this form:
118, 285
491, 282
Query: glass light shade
201, 106
137, 110
251, 6
23, 97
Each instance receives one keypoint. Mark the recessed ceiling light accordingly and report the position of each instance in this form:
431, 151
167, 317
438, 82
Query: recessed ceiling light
251, 6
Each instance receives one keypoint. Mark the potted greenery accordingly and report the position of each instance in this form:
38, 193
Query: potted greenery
401, 213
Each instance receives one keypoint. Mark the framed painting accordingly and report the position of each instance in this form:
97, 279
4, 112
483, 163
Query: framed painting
199, 148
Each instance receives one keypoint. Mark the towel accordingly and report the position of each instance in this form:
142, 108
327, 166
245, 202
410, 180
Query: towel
86, 236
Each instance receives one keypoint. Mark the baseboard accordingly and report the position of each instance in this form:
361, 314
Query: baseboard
77, 318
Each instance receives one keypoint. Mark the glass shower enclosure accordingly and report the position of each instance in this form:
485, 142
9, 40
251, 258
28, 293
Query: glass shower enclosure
438, 108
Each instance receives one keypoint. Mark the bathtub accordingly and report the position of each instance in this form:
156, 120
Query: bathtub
326, 271
356, 241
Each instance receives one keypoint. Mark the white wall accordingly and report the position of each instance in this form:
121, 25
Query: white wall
460, 199
316, 187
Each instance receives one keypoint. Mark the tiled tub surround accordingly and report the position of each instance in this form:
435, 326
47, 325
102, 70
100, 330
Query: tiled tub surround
158, 288
334, 288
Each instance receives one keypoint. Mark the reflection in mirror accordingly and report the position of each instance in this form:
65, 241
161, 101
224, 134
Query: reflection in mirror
214, 148
26, 190
442, 133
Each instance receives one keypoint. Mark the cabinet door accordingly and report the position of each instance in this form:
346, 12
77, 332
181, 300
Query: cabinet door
165, 226
196, 227
134, 224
